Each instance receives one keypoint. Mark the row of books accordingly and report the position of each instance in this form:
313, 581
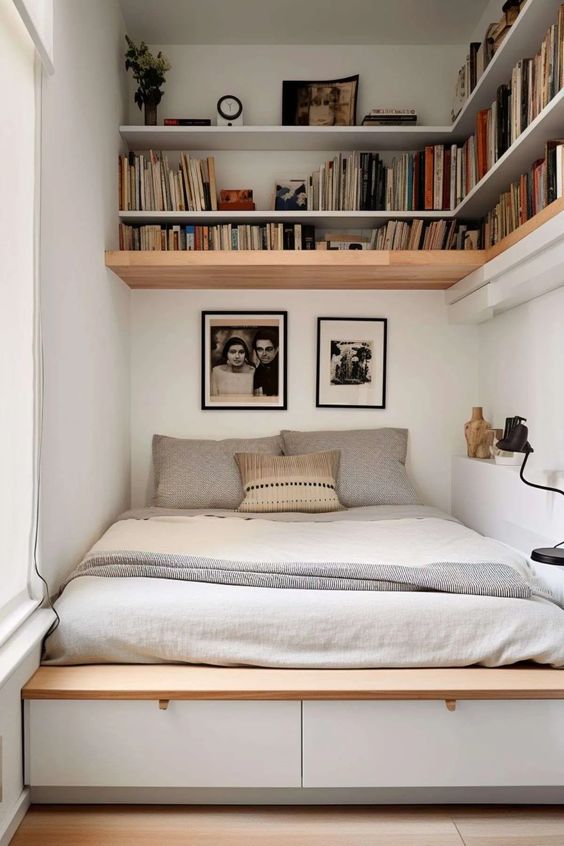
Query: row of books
480, 53
434, 179
533, 84
147, 182
394, 235
427, 235
527, 196
221, 236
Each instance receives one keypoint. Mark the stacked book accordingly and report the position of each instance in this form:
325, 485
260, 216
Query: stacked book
395, 235
433, 179
534, 82
227, 236
426, 235
480, 53
147, 182
390, 117
527, 196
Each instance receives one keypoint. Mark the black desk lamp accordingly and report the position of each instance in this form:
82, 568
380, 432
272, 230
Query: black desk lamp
515, 440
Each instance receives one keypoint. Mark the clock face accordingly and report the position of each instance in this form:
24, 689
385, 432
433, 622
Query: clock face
229, 107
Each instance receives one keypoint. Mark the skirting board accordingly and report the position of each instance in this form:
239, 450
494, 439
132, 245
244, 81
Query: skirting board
299, 796
15, 817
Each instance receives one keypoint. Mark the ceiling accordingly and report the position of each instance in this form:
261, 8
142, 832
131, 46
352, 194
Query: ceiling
302, 21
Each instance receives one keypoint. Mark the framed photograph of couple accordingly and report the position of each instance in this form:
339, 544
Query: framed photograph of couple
244, 360
351, 362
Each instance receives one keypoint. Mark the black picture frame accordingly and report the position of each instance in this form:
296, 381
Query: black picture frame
362, 381
219, 375
299, 100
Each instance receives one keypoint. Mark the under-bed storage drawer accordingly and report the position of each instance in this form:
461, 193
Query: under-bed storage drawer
407, 743
191, 744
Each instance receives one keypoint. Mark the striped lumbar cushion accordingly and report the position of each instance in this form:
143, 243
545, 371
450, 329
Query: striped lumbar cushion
289, 482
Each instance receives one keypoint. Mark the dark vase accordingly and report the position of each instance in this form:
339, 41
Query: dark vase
151, 111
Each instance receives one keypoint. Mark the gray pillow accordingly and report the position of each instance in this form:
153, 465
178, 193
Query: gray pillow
372, 469
201, 473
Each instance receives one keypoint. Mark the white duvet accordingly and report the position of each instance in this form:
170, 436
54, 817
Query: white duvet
134, 620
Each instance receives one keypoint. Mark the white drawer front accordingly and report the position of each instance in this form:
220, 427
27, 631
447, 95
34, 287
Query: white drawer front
401, 744
192, 744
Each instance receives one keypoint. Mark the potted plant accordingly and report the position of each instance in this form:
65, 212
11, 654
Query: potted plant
149, 73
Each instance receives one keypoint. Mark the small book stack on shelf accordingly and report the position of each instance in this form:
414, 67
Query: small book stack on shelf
527, 196
390, 117
148, 183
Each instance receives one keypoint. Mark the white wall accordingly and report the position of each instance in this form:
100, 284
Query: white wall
404, 75
431, 384
85, 308
432, 374
521, 362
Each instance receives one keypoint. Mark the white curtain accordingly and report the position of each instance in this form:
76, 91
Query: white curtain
17, 317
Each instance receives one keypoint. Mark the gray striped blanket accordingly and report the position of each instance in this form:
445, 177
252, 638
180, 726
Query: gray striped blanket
481, 579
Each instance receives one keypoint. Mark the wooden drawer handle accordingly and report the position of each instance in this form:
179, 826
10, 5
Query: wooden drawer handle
163, 704
451, 704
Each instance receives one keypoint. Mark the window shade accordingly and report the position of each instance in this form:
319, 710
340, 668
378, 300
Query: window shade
17, 242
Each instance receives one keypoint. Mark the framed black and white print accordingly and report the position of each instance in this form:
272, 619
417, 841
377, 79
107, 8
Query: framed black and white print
351, 362
244, 360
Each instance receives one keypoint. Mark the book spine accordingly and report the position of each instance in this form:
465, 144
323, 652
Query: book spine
429, 176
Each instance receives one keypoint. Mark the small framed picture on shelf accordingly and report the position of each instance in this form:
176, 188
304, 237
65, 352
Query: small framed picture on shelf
244, 360
322, 103
291, 195
351, 362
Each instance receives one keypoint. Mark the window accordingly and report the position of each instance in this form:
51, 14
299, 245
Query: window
17, 318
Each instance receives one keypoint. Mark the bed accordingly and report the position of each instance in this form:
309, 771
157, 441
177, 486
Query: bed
119, 608
253, 657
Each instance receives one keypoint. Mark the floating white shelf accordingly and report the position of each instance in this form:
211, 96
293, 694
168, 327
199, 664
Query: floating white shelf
284, 137
317, 218
523, 40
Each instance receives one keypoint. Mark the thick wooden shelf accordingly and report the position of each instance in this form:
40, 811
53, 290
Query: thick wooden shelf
370, 269
165, 682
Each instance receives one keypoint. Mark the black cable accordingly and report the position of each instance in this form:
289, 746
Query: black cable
46, 593
40, 422
540, 487
532, 484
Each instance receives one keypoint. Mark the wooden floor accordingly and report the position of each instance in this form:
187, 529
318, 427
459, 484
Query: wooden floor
104, 825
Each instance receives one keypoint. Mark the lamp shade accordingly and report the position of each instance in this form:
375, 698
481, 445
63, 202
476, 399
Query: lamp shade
516, 440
